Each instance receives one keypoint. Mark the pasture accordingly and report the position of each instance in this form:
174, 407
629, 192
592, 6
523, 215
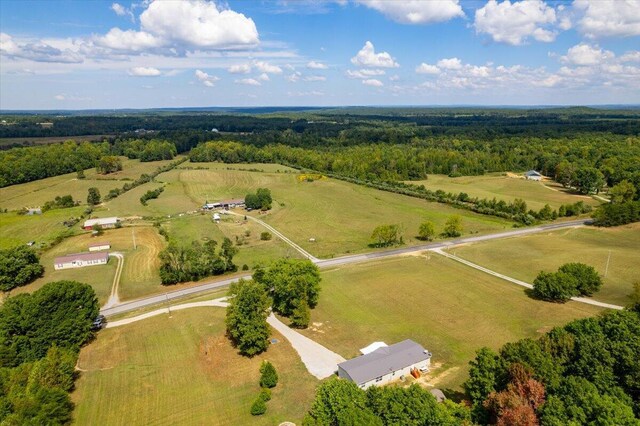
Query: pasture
18, 229
139, 273
183, 370
451, 309
525, 256
507, 188
36, 193
340, 216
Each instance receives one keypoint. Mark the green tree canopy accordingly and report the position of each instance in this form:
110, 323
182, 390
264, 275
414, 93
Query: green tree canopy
386, 235
268, 375
427, 231
18, 266
93, 196
246, 318
453, 227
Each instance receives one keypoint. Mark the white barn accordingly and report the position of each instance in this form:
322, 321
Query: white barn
99, 246
385, 364
104, 223
532, 175
80, 260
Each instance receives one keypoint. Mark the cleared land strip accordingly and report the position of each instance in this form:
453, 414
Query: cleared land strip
518, 282
113, 297
338, 261
320, 361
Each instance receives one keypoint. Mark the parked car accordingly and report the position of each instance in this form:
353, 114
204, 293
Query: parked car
99, 322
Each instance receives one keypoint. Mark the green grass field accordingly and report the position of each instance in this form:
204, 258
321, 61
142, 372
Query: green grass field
339, 215
139, 273
524, 257
451, 309
507, 188
183, 370
16, 229
36, 193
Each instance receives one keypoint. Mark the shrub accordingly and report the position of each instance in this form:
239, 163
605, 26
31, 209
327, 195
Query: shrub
265, 394
265, 236
586, 276
555, 287
259, 407
268, 375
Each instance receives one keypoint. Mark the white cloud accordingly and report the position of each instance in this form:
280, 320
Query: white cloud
367, 57
631, 56
198, 23
450, 64
263, 77
416, 11
144, 72
39, 51
317, 65
120, 10
248, 81
608, 18
365, 73
239, 69
310, 93
129, 40
205, 78
425, 68
263, 66
513, 23
584, 54
394, 77
293, 78
315, 78
373, 82
59, 97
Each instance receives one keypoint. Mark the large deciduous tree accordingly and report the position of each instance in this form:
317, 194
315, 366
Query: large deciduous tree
386, 235
246, 318
18, 266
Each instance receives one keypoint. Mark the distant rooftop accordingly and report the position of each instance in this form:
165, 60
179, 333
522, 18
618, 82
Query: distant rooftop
81, 256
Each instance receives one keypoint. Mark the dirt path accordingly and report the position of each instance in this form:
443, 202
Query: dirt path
113, 297
521, 283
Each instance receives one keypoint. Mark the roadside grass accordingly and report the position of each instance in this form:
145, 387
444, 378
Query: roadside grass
340, 216
36, 193
523, 257
183, 370
43, 229
140, 269
504, 187
451, 309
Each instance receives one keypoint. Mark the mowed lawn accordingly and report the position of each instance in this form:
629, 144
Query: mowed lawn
183, 370
36, 193
507, 188
449, 308
340, 216
139, 274
20, 229
525, 256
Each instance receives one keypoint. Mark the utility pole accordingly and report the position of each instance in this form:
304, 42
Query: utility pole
133, 234
606, 269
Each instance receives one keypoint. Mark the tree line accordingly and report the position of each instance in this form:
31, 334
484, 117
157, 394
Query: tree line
182, 263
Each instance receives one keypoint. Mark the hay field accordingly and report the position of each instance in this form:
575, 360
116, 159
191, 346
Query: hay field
16, 229
183, 370
524, 257
506, 188
451, 309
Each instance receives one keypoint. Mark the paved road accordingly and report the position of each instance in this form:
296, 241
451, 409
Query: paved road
327, 263
521, 283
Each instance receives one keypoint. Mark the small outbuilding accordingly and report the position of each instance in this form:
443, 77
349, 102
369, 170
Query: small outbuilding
385, 364
532, 175
80, 260
99, 246
103, 223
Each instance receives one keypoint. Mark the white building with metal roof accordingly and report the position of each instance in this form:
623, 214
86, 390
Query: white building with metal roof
385, 364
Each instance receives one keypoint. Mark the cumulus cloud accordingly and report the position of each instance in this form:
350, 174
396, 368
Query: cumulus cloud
205, 78
367, 57
425, 68
263, 77
584, 54
608, 18
365, 73
37, 51
248, 82
315, 78
263, 66
293, 78
631, 56
513, 23
416, 11
239, 69
450, 63
144, 72
317, 65
120, 10
129, 40
372, 82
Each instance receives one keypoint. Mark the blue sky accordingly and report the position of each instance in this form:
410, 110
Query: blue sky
146, 54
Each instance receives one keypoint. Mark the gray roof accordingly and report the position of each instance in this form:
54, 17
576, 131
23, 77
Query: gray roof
532, 173
384, 360
81, 256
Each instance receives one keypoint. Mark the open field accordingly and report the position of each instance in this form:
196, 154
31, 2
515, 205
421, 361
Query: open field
36, 193
140, 270
183, 370
524, 257
506, 188
339, 215
16, 229
452, 310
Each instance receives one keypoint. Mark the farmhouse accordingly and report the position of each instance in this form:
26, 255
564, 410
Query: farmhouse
230, 204
80, 260
104, 223
532, 175
211, 206
385, 363
99, 246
